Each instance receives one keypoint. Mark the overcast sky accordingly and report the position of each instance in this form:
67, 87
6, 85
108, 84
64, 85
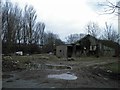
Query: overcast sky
65, 17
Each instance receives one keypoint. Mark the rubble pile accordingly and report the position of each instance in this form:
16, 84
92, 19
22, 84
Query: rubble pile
8, 64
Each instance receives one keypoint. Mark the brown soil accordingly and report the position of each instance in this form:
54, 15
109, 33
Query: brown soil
88, 76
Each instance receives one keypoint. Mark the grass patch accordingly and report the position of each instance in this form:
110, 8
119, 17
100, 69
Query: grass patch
24, 62
17, 58
114, 67
15, 62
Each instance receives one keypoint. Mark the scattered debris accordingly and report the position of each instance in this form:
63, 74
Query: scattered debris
99, 75
95, 67
19, 53
27, 54
68, 72
7, 58
109, 71
105, 78
50, 53
10, 65
70, 59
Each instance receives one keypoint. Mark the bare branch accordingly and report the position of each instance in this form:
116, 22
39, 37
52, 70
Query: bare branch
109, 7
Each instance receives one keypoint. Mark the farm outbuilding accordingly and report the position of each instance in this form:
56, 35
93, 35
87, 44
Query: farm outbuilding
64, 51
88, 46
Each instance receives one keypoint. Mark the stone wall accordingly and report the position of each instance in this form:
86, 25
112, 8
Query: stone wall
61, 51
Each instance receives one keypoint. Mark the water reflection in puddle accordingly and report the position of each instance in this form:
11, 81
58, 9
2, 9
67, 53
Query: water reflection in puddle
57, 67
50, 66
64, 76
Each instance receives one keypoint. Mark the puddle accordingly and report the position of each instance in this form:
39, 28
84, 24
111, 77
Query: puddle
7, 76
50, 66
58, 67
20, 84
64, 76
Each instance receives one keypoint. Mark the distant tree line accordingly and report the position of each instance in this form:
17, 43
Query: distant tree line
22, 32
93, 29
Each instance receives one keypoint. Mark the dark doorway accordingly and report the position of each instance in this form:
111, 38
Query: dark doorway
69, 51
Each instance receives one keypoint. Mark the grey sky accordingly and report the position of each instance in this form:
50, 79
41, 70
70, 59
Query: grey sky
65, 17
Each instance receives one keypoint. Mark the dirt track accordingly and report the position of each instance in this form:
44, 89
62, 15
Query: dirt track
37, 78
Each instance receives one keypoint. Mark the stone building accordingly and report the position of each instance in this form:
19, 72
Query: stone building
64, 51
88, 46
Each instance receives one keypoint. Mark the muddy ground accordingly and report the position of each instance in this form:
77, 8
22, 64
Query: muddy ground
88, 71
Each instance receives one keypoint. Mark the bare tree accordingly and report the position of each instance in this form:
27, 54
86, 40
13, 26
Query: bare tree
93, 29
24, 26
18, 25
22, 32
11, 24
30, 19
51, 40
72, 38
39, 32
110, 34
110, 7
